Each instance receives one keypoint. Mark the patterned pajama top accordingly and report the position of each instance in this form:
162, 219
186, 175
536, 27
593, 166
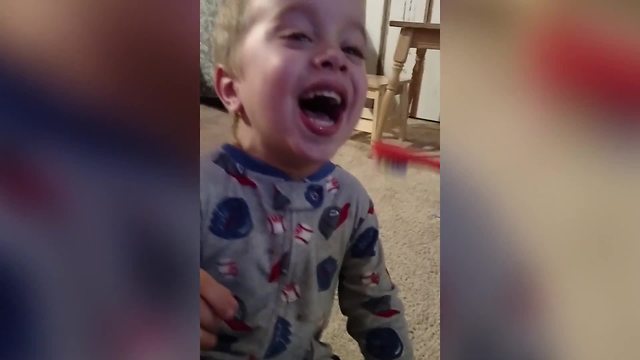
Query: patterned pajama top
283, 248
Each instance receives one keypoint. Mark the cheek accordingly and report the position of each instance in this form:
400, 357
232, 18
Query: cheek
362, 88
273, 79
262, 92
360, 94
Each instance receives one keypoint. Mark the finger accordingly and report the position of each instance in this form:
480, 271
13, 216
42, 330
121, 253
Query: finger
217, 296
207, 340
208, 320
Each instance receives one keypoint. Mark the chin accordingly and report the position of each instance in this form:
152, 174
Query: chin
314, 152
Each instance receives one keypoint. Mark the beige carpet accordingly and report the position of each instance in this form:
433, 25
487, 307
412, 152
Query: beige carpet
409, 213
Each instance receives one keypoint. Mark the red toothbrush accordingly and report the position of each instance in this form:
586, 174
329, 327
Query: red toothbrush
398, 158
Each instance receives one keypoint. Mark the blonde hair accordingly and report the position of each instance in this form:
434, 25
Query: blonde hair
229, 28
228, 31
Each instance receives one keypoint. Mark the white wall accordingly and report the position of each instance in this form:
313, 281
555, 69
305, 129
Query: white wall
375, 10
435, 16
408, 10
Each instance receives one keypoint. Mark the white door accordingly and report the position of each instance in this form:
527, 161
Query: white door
407, 10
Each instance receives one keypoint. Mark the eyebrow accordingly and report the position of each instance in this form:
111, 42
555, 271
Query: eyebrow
360, 28
301, 7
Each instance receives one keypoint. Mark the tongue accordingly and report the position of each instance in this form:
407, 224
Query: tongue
320, 120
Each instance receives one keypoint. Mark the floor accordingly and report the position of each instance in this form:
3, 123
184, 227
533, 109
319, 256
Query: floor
409, 214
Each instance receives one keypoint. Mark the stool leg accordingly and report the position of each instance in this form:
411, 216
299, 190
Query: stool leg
377, 102
416, 80
400, 57
404, 111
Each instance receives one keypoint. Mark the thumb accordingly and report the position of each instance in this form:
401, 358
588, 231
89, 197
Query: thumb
218, 297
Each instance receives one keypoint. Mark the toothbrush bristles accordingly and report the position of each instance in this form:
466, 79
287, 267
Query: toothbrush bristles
397, 159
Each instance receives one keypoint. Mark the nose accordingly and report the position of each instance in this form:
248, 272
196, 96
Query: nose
330, 58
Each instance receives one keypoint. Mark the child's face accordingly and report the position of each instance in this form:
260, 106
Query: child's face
303, 83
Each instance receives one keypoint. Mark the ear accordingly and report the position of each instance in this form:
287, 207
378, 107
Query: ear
226, 88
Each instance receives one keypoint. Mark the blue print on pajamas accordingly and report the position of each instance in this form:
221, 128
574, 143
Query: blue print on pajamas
231, 219
281, 338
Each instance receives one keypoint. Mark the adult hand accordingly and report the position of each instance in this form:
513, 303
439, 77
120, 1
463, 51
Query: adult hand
216, 305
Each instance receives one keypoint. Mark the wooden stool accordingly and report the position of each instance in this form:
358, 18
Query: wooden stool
369, 120
421, 36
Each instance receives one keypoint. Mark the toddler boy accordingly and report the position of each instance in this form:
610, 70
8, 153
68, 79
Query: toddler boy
282, 227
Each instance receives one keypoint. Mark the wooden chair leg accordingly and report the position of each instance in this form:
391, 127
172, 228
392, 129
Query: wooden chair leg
377, 103
404, 111
416, 81
400, 57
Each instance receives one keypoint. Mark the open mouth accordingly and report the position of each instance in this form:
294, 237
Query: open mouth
322, 110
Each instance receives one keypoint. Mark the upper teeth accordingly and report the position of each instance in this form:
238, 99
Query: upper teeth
326, 93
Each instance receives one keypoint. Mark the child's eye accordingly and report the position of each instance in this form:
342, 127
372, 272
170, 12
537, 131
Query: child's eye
298, 36
352, 50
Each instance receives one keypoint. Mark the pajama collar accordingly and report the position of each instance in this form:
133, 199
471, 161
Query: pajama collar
255, 165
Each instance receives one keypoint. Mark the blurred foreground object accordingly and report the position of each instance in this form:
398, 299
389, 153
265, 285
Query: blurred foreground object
590, 62
98, 180
491, 306
540, 116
